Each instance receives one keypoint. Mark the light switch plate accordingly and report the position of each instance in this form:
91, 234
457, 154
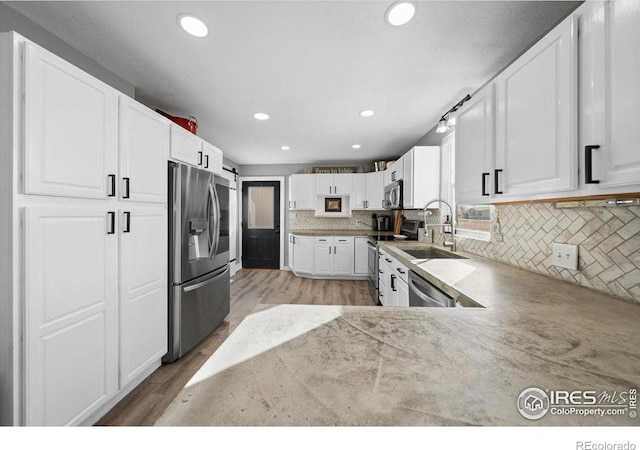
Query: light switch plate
565, 255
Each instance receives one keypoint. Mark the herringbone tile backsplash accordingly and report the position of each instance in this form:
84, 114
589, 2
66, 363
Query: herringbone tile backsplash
307, 220
608, 240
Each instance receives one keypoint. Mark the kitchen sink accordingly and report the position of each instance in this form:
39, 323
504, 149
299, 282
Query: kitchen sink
432, 253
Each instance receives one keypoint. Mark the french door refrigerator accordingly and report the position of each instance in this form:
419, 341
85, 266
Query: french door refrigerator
199, 274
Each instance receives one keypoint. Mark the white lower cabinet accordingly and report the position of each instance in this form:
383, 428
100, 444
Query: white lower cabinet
71, 335
361, 256
403, 293
392, 281
303, 260
333, 256
339, 257
143, 290
323, 256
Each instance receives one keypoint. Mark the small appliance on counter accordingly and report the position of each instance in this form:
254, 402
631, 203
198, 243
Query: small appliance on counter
380, 223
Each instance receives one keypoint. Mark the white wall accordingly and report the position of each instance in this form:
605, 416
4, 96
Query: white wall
11, 20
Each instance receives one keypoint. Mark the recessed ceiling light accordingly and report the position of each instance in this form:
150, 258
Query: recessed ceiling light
193, 25
261, 116
285, 147
400, 13
356, 146
367, 113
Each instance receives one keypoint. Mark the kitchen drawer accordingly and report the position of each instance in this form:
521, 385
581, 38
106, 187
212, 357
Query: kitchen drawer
401, 271
345, 240
323, 240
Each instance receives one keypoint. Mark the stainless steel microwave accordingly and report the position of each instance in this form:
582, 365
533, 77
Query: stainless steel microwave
393, 195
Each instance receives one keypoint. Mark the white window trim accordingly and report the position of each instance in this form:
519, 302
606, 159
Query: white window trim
477, 235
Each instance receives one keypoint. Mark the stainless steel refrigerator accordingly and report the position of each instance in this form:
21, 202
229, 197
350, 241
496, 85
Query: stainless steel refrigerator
198, 256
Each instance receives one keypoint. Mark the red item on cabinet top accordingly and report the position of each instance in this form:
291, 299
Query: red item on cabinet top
190, 124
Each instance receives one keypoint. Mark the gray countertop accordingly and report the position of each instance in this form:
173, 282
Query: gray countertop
340, 233
339, 365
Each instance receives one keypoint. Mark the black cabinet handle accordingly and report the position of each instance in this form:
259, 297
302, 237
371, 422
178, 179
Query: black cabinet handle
199, 158
127, 182
387, 260
112, 222
588, 164
495, 181
402, 272
127, 222
112, 178
393, 283
206, 161
484, 183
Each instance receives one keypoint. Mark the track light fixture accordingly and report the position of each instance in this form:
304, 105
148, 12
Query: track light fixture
448, 119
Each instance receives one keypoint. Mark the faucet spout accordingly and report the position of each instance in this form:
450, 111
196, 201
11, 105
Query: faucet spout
452, 243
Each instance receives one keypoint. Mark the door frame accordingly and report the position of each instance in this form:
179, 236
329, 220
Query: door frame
282, 209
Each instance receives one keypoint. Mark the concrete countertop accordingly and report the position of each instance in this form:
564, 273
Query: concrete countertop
339, 365
340, 233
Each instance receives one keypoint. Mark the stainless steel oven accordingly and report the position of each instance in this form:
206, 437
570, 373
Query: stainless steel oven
373, 267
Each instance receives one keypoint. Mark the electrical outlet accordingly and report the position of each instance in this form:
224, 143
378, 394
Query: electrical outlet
565, 255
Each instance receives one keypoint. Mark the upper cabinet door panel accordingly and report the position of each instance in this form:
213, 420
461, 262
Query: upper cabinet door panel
70, 128
214, 155
537, 124
475, 143
186, 146
144, 151
621, 161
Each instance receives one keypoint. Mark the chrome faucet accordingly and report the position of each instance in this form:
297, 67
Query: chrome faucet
452, 244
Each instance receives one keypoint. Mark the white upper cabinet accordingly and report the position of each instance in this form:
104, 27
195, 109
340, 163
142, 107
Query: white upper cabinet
359, 194
71, 295
70, 129
475, 137
144, 151
609, 96
537, 118
375, 190
212, 158
396, 171
143, 290
302, 191
334, 184
421, 176
186, 146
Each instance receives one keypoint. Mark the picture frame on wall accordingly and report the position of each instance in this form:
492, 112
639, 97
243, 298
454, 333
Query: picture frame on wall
333, 204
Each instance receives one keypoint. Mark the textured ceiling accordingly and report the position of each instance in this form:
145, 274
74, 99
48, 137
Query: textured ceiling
312, 65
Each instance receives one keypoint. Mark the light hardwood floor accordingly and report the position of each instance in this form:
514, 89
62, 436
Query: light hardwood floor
249, 288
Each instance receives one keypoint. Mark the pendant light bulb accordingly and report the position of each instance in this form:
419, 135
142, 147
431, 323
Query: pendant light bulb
451, 120
442, 126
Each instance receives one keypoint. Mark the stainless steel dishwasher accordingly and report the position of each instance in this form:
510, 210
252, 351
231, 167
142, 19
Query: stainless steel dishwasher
423, 293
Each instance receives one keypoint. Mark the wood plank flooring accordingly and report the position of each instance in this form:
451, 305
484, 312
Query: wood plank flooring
249, 288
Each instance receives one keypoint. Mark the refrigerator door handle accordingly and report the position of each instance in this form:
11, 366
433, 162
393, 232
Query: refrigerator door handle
208, 281
215, 206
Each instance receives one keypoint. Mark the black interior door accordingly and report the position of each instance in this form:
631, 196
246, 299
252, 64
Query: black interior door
261, 224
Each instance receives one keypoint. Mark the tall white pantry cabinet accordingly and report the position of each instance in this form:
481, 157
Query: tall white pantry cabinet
83, 250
